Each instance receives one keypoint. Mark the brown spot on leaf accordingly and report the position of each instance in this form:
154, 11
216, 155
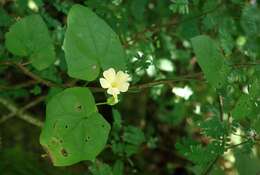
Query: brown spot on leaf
64, 152
55, 123
78, 107
49, 155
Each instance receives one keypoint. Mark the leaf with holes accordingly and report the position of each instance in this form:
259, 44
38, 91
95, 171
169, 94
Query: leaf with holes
90, 44
211, 61
74, 130
29, 37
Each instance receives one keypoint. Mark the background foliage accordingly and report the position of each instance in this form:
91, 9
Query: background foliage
208, 47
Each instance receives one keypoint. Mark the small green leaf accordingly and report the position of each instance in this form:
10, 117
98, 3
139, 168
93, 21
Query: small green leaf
36, 90
117, 147
196, 152
256, 124
74, 130
118, 168
247, 103
5, 19
250, 20
117, 120
130, 149
29, 37
214, 128
226, 41
211, 61
134, 135
101, 169
90, 44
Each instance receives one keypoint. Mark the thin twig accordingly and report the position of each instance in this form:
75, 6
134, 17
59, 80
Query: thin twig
18, 86
209, 168
99, 89
211, 165
220, 100
20, 113
221, 116
196, 76
30, 74
171, 23
242, 65
35, 77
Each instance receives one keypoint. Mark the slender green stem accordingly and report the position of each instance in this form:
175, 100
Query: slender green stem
221, 116
173, 22
211, 165
239, 144
101, 103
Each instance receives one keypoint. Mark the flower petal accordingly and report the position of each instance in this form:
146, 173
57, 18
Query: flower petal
113, 91
110, 74
122, 77
123, 87
104, 83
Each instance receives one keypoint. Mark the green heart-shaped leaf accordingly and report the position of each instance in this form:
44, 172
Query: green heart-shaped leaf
90, 44
29, 37
74, 130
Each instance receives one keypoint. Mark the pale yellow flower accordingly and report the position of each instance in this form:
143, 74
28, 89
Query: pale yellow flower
114, 82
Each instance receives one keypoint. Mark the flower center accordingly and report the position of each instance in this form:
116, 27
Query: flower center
114, 84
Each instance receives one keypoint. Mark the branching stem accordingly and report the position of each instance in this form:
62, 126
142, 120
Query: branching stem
20, 112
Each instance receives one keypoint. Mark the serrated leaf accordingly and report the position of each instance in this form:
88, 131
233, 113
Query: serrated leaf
117, 120
90, 44
226, 41
133, 135
130, 149
211, 61
195, 152
118, 168
29, 37
101, 169
138, 9
74, 130
256, 124
5, 19
247, 103
214, 128
250, 20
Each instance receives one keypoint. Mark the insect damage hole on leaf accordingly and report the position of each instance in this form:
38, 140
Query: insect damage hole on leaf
64, 152
73, 127
78, 107
87, 139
